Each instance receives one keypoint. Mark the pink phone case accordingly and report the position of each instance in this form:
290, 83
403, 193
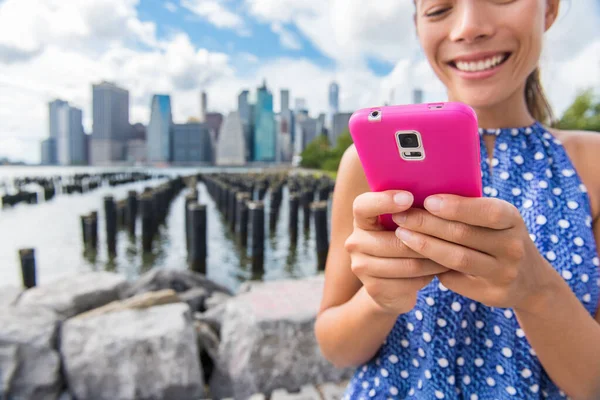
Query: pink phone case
450, 140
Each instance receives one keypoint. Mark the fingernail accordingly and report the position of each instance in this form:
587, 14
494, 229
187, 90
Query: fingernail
403, 234
399, 218
433, 203
403, 199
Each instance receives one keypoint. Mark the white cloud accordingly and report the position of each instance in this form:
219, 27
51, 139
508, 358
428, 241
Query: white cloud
286, 38
215, 12
58, 48
171, 7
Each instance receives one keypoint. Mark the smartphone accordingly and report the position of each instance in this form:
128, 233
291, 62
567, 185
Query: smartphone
425, 149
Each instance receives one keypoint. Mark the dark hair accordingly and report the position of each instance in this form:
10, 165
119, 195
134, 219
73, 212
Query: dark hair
537, 102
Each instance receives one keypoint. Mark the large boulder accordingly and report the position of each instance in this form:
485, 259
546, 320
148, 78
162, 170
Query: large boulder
140, 354
74, 295
192, 287
268, 341
9, 295
29, 361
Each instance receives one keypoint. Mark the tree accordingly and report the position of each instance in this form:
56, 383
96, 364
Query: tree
583, 114
315, 152
320, 155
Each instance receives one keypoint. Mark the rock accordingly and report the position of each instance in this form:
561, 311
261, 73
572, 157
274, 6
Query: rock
213, 317
133, 354
65, 396
208, 339
247, 286
268, 341
144, 300
74, 295
195, 298
333, 391
307, 392
179, 280
9, 295
216, 300
29, 362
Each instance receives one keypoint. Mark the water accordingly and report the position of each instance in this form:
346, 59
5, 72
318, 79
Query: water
53, 229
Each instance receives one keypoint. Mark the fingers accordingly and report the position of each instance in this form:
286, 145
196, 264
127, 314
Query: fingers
475, 237
384, 244
369, 206
450, 255
485, 212
394, 268
395, 293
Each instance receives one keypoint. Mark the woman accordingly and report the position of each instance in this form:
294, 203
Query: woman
489, 298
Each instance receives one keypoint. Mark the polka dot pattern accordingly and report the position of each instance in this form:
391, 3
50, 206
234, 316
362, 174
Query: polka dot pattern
450, 347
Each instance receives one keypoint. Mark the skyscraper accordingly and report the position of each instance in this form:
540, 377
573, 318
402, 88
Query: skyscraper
334, 102
285, 100
158, 136
110, 123
203, 106
230, 149
340, 125
244, 107
66, 144
417, 96
48, 151
264, 125
192, 143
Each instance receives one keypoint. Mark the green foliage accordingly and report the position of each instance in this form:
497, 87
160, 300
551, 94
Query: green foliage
583, 114
320, 155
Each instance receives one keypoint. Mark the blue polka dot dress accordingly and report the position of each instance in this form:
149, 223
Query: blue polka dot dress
451, 347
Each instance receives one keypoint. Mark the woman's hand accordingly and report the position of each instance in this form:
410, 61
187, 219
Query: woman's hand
391, 273
485, 244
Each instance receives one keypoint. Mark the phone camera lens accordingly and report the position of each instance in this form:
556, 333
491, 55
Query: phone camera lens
375, 114
409, 140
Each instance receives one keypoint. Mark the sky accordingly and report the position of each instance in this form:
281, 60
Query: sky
58, 48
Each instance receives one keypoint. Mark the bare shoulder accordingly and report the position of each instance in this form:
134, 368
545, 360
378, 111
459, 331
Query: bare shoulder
351, 174
583, 147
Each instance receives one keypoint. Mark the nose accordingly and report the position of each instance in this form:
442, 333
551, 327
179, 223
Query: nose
472, 22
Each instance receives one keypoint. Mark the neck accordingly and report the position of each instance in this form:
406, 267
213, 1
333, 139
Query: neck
510, 113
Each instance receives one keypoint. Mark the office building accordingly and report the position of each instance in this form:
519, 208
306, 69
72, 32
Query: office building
285, 100
264, 126
230, 148
138, 132
137, 152
66, 144
192, 144
110, 123
244, 107
158, 134
48, 151
417, 96
214, 120
334, 102
340, 125
203, 106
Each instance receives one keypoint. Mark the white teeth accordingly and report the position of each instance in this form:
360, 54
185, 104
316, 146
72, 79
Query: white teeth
476, 66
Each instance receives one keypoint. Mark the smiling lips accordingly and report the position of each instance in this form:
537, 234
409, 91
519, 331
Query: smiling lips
479, 63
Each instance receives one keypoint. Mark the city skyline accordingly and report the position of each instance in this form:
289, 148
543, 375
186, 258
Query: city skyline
181, 48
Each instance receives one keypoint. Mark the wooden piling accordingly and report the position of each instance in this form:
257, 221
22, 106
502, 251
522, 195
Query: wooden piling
83, 232
319, 210
91, 231
242, 212
147, 214
307, 199
28, 270
110, 213
190, 199
198, 248
293, 220
232, 205
131, 211
257, 218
